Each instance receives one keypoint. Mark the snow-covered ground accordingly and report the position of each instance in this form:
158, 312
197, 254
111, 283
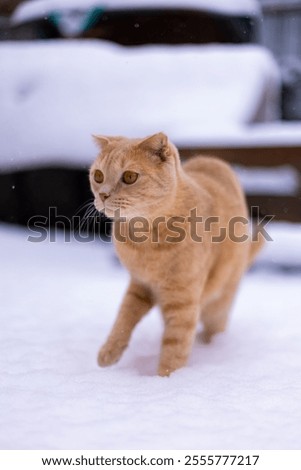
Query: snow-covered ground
55, 94
58, 301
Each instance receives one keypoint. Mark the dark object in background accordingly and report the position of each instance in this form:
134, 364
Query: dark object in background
138, 26
170, 26
37, 29
291, 92
49, 197
8, 6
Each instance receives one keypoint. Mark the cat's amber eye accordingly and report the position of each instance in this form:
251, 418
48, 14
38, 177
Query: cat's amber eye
129, 177
98, 176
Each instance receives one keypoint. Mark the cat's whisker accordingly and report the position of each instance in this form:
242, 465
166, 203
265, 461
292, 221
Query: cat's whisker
84, 206
82, 220
85, 221
91, 217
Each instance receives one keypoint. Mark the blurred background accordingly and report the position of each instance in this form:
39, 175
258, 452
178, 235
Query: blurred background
219, 77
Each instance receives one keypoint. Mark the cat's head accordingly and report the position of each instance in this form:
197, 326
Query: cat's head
134, 177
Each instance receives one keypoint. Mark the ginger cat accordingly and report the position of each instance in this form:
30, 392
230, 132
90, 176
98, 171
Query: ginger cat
172, 230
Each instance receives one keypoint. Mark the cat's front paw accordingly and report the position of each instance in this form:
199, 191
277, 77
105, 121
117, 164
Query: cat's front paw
165, 371
109, 355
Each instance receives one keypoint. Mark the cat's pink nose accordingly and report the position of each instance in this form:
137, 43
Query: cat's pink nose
103, 196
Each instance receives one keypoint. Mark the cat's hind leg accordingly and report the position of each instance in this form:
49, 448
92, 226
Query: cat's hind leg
215, 313
137, 301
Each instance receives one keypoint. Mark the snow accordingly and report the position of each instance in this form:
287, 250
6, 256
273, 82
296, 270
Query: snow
282, 180
58, 301
280, 3
39, 8
285, 249
55, 94
265, 134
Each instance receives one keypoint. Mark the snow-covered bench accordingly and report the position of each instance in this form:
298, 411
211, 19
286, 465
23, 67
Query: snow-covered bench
55, 94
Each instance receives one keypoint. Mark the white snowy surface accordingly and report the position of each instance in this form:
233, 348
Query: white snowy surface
58, 301
284, 250
39, 8
264, 134
281, 180
55, 94
278, 3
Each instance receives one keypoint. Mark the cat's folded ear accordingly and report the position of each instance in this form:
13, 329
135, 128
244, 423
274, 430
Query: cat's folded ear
156, 144
101, 141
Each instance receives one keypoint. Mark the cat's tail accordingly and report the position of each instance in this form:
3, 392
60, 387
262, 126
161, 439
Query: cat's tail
257, 241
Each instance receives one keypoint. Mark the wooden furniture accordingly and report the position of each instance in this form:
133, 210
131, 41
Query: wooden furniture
283, 207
